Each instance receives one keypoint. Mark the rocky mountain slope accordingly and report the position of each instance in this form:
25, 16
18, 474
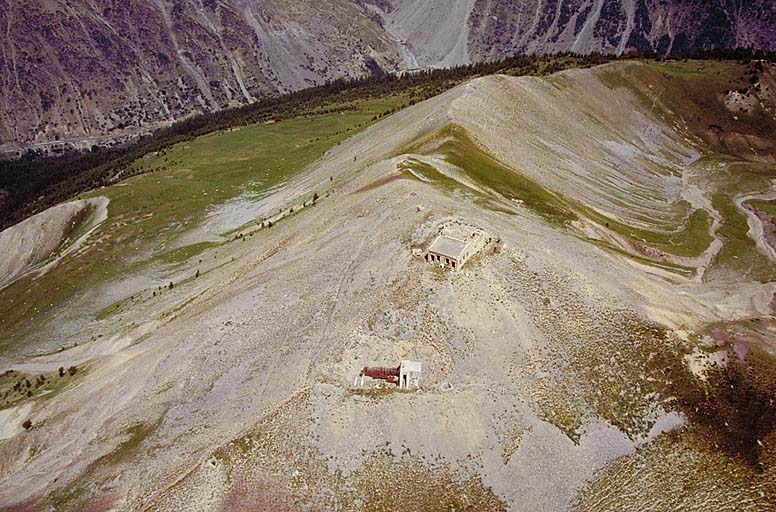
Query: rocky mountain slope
82, 73
84, 70
197, 351
503, 26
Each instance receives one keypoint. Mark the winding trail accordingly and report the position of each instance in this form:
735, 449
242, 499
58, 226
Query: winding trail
698, 200
756, 226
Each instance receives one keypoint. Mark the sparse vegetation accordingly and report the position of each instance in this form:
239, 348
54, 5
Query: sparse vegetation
691, 93
183, 254
37, 183
740, 254
152, 215
73, 495
460, 150
554, 342
16, 387
689, 239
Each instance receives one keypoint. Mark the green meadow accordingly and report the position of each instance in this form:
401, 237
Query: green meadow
148, 212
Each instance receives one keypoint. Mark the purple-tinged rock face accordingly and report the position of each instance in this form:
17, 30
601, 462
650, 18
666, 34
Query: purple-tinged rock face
87, 73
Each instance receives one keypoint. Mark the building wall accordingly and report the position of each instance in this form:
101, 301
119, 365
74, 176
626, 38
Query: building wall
438, 258
474, 246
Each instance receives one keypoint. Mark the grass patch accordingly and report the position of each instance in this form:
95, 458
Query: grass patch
76, 228
753, 168
690, 240
677, 269
767, 207
135, 435
148, 212
739, 253
429, 487
415, 167
78, 492
115, 308
455, 145
631, 374
559, 408
385, 180
17, 388
185, 253
694, 69
459, 149
731, 175
62, 497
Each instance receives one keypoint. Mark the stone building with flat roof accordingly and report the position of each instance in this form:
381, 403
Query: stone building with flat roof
453, 252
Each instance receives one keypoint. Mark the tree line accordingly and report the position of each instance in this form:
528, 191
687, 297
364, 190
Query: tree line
33, 183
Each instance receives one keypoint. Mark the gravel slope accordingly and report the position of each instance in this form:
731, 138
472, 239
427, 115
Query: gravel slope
233, 390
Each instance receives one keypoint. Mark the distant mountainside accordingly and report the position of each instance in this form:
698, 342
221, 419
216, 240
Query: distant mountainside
83, 70
666, 26
80, 72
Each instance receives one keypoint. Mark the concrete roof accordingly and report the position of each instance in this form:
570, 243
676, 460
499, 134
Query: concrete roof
448, 247
411, 366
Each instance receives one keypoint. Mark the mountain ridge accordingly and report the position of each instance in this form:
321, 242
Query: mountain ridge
215, 321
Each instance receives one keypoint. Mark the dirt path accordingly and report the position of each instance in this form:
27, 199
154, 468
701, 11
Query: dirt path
697, 199
756, 225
